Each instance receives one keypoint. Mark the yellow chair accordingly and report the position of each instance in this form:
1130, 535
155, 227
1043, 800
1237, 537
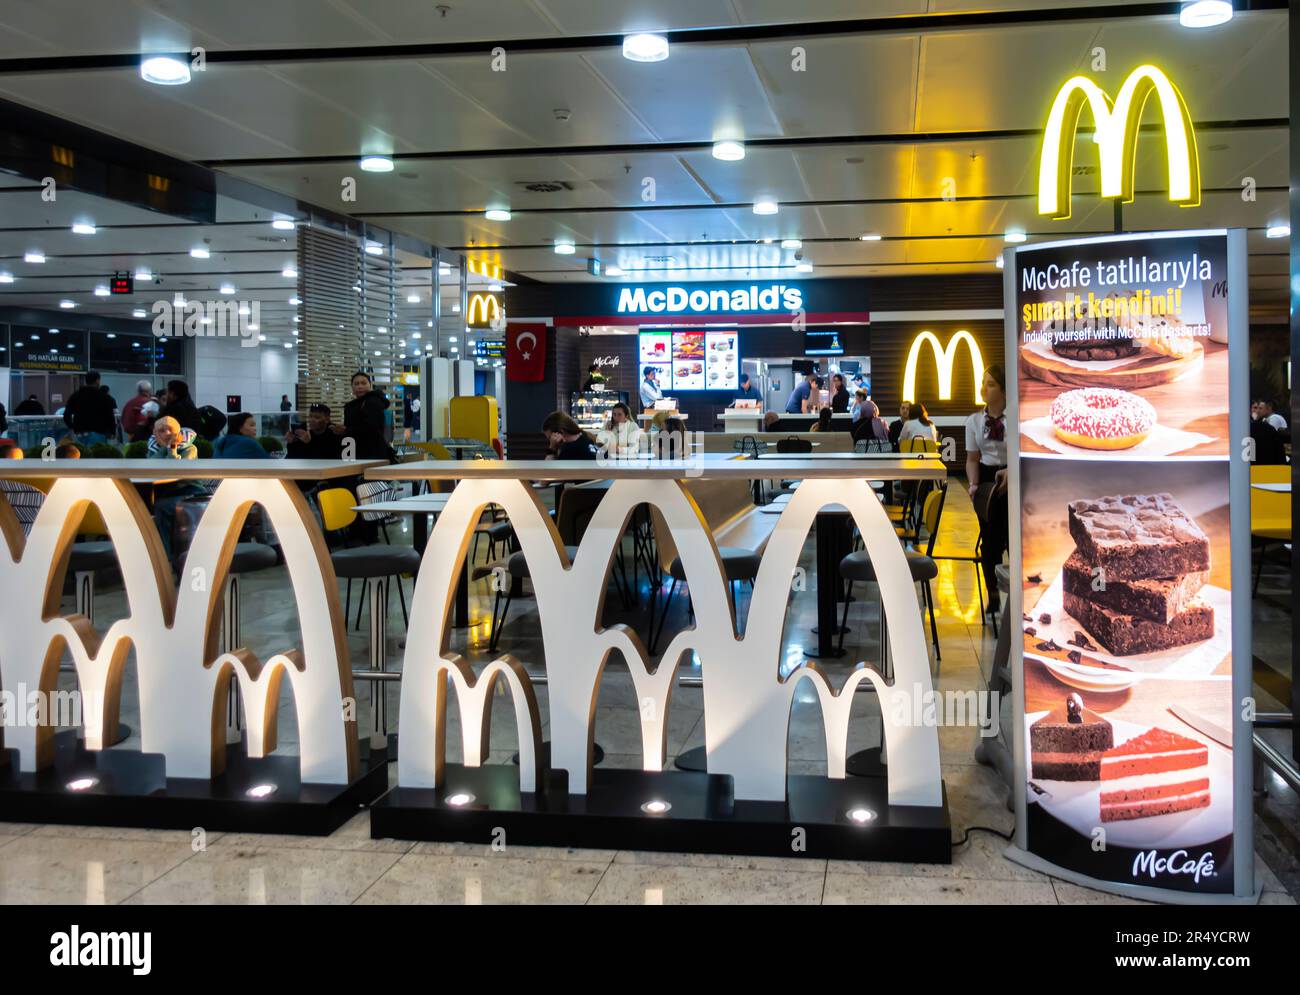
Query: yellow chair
1270, 512
918, 444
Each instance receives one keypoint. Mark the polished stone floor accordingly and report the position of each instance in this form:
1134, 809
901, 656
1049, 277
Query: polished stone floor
68, 864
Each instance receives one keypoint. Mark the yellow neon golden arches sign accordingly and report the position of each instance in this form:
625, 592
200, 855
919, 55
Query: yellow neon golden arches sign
944, 359
1116, 137
484, 309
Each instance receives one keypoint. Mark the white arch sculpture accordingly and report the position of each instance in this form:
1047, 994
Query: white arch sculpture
746, 703
182, 678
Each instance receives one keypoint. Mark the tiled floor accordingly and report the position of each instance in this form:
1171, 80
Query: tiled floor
101, 865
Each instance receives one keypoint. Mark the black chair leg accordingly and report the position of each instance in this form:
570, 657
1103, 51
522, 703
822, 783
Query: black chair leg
498, 621
1259, 567
934, 629
654, 635
844, 618
361, 603
401, 597
347, 603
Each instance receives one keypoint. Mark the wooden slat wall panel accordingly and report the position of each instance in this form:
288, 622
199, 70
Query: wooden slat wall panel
329, 342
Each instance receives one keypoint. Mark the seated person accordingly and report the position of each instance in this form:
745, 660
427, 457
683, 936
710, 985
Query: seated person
240, 440
566, 439
1270, 447
670, 442
824, 423
171, 442
10, 450
314, 440
621, 436
67, 450
918, 425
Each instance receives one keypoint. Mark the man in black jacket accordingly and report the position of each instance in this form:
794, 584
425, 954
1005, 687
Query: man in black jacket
178, 404
90, 412
316, 441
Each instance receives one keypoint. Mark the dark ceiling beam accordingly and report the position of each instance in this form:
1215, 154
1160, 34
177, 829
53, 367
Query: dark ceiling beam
751, 144
746, 205
849, 240
730, 35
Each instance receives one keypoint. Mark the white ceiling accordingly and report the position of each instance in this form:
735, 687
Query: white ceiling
855, 86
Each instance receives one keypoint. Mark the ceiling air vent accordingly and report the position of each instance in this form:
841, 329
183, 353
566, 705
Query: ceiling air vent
545, 186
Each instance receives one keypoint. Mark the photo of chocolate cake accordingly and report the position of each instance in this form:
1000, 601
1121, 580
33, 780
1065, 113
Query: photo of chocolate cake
1068, 743
1133, 580
1157, 773
1096, 349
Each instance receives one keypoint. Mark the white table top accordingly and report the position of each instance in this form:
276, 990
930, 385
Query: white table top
425, 504
1279, 488
800, 466
848, 456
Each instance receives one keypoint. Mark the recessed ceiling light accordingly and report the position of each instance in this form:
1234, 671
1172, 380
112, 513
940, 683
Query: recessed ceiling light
861, 816
804, 268
34, 256
289, 273
645, 48
460, 799
283, 224
111, 335
999, 263
1015, 237
139, 313
415, 335
261, 338
83, 783
101, 290
791, 243
67, 305
374, 249
143, 274
412, 298
728, 151
656, 806
1278, 231
451, 338
6, 278
288, 345
165, 70
199, 252
377, 164
295, 300
260, 791
869, 237
563, 248
455, 309
244, 311
205, 321
54, 331
227, 288
613, 270
1205, 13
497, 214
83, 228
766, 207
253, 326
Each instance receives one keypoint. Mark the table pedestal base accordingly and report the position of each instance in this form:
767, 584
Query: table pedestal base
704, 816
132, 789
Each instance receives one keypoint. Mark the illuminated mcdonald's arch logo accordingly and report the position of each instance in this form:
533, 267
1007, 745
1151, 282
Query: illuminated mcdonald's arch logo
944, 359
484, 311
1117, 129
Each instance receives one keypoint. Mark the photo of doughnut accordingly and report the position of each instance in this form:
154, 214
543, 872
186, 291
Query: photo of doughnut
1142, 334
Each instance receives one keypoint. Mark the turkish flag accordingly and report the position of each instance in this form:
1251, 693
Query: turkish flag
526, 352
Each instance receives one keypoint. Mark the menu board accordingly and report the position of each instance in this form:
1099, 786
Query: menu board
1125, 557
656, 349
722, 362
692, 360
688, 361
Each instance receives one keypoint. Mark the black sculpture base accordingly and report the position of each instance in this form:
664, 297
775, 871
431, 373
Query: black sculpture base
703, 816
131, 789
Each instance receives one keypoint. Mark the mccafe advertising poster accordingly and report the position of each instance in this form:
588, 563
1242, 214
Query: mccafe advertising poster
1125, 559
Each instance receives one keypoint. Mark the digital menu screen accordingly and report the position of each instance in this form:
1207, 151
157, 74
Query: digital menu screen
723, 360
692, 360
688, 361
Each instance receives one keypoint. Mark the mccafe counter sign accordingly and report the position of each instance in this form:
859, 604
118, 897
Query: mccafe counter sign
773, 298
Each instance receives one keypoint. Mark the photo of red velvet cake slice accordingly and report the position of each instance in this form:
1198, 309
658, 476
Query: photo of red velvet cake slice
1068, 743
1156, 773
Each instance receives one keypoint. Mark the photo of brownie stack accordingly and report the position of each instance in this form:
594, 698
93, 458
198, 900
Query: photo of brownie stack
1134, 577
1097, 348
